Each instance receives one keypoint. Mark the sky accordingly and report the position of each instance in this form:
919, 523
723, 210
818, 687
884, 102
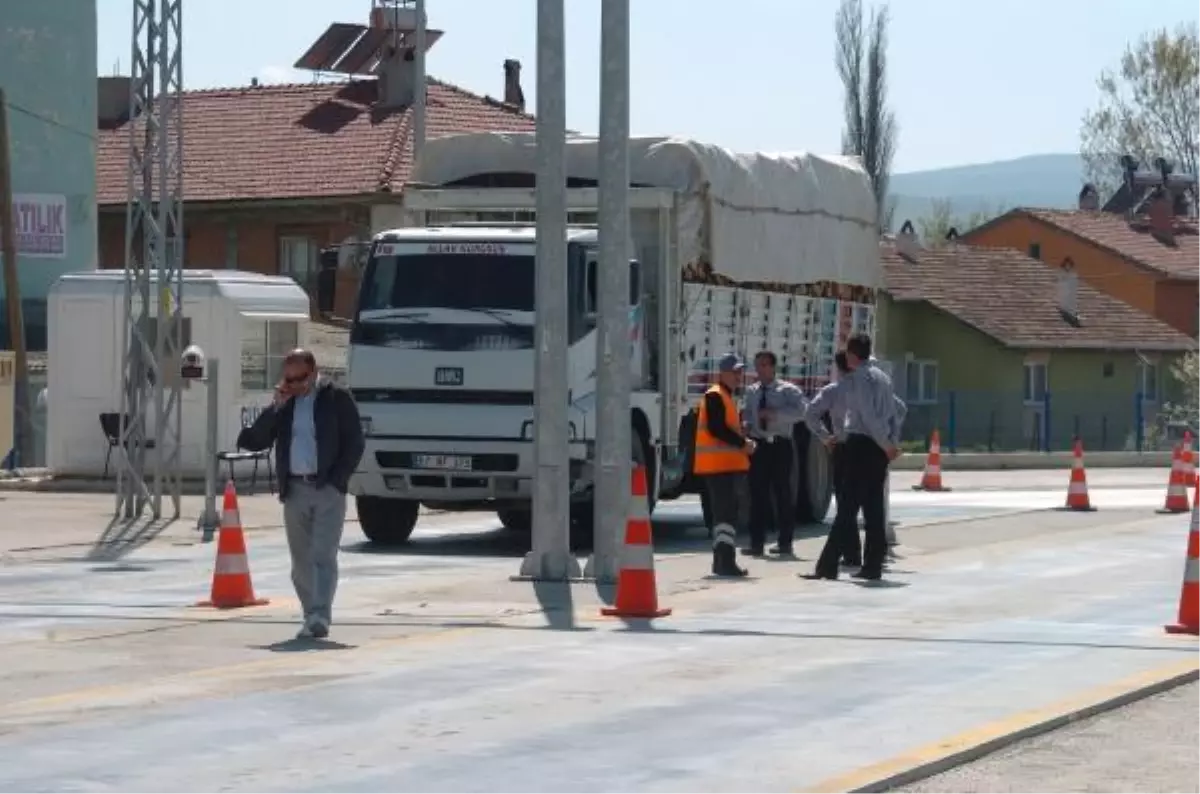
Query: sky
970, 81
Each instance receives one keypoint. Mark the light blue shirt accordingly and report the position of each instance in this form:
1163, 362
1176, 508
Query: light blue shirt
303, 454
785, 401
871, 405
833, 399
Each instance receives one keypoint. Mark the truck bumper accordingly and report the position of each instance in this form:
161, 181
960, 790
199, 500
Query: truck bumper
475, 471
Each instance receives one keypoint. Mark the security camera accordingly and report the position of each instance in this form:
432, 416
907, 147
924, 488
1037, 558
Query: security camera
192, 364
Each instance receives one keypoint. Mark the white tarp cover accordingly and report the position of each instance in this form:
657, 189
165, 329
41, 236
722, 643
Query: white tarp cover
790, 218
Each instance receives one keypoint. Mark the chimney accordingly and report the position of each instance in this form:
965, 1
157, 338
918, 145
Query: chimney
1068, 291
907, 244
1089, 199
513, 95
952, 235
112, 101
1160, 212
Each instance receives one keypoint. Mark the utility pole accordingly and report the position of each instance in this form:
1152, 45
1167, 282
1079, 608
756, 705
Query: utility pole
613, 432
23, 442
550, 558
153, 333
421, 82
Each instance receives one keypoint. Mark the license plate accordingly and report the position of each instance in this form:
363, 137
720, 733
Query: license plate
448, 376
443, 462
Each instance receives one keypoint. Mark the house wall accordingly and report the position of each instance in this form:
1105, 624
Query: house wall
1172, 301
247, 237
48, 71
980, 402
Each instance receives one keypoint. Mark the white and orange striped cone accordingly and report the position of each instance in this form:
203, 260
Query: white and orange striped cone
1189, 598
1189, 461
931, 479
231, 586
1177, 496
637, 588
1077, 490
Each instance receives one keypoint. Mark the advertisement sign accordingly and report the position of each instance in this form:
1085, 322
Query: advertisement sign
40, 220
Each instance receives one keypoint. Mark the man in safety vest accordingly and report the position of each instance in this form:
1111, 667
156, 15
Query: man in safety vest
722, 459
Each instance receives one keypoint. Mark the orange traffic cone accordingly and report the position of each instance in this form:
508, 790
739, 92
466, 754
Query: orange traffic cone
931, 480
637, 590
231, 586
1189, 461
1189, 599
1077, 491
1177, 497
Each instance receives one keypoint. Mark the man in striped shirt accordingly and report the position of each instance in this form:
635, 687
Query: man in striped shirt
865, 418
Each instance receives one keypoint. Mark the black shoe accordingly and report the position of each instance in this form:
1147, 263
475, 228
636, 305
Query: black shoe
851, 563
782, 551
817, 576
753, 551
869, 576
725, 563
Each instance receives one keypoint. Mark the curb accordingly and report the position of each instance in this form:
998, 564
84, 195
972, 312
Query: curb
972, 745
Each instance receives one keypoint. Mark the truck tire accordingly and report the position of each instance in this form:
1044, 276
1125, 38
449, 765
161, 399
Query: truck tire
516, 519
583, 513
387, 522
814, 477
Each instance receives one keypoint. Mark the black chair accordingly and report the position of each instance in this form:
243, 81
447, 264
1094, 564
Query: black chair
239, 454
110, 425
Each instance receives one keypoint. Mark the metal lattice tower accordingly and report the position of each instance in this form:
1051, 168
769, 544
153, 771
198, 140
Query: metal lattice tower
153, 337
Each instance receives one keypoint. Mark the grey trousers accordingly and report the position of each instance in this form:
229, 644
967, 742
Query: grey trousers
314, 518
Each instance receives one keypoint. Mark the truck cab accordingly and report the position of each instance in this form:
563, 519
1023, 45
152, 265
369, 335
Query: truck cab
442, 367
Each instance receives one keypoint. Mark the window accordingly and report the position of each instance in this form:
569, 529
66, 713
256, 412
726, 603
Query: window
1035, 382
298, 260
1035, 250
1147, 382
921, 382
591, 302
265, 343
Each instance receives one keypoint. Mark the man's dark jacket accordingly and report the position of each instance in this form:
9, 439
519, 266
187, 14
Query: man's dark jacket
339, 436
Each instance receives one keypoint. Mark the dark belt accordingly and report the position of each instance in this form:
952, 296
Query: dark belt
308, 478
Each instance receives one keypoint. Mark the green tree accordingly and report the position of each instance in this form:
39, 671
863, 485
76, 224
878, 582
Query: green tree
1149, 107
1187, 409
870, 131
934, 227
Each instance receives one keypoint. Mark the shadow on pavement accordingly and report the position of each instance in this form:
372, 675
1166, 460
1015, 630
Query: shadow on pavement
673, 534
304, 645
123, 536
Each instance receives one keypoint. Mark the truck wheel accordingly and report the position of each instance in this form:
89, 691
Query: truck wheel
388, 522
583, 512
814, 477
516, 520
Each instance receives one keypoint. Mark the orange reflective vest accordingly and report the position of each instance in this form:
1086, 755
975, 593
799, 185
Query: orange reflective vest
714, 456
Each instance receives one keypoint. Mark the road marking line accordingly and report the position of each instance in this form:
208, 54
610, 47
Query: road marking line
970, 745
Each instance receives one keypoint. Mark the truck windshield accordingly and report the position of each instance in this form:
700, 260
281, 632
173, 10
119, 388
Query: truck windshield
447, 300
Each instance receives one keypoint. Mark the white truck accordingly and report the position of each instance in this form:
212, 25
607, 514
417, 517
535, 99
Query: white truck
731, 253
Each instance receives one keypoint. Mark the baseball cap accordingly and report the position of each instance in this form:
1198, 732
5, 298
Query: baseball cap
730, 363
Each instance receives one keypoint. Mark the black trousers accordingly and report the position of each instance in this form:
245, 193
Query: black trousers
771, 501
724, 510
845, 522
865, 468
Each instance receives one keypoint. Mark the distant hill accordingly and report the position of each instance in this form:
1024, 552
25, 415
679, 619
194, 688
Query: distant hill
1040, 180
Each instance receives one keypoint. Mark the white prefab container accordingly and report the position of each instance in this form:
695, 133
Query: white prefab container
247, 321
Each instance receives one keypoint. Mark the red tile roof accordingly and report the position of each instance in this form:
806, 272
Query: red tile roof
1014, 299
301, 141
1131, 240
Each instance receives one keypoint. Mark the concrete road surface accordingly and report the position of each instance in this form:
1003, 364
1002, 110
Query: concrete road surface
1147, 746
444, 675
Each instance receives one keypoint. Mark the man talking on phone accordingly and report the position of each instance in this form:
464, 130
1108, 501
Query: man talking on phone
314, 426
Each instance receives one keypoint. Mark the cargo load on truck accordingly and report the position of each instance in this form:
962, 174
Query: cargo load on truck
765, 219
